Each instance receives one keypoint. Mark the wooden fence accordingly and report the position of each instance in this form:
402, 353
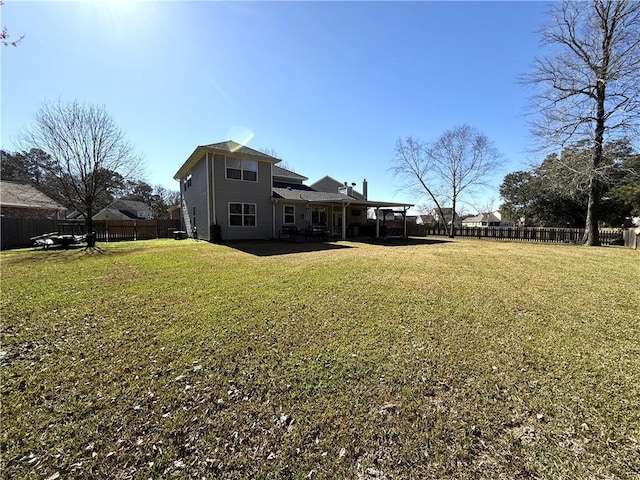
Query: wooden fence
16, 232
527, 234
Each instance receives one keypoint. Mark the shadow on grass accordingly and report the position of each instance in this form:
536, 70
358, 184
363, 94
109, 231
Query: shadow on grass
265, 248
69, 252
402, 242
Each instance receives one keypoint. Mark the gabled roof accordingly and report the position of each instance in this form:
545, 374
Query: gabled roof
445, 211
223, 148
123, 209
130, 205
483, 217
113, 214
284, 173
327, 180
330, 184
25, 195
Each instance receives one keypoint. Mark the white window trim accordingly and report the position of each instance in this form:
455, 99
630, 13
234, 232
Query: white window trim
284, 215
255, 207
242, 170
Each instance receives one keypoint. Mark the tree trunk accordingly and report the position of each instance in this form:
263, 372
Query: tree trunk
452, 228
89, 220
591, 233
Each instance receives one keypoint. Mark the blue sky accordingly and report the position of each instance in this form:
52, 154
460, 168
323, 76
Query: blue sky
328, 86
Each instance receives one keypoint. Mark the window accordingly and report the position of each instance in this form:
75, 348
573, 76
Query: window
237, 169
242, 214
289, 214
319, 216
187, 182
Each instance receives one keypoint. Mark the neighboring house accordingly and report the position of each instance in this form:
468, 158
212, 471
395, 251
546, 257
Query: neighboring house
507, 222
232, 192
448, 215
24, 200
125, 210
425, 220
482, 220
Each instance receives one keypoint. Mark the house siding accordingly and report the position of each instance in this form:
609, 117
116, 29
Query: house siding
327, 185
196, 196
236, 191
300, 223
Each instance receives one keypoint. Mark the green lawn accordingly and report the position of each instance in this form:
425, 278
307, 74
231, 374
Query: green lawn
464, 359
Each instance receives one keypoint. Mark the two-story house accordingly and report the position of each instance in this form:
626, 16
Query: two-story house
233, 192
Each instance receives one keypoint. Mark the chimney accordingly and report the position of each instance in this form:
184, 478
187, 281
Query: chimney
364, 188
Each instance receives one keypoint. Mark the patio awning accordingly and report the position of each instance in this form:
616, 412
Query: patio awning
308, 195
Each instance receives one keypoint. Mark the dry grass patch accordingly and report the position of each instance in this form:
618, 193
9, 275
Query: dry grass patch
463, 359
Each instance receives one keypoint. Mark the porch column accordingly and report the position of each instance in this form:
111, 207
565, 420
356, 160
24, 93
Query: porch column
377, 222
344, 222
404, 219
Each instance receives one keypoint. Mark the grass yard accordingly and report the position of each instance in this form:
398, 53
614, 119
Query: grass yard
450, 360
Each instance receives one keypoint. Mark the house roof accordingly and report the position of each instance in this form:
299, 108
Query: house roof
113, 214
445, 211
327, 182
327, 179
294, 186
25, 195
305, 194
308, 194
284, 173
223, 148
130, 205
483, 217
122, 209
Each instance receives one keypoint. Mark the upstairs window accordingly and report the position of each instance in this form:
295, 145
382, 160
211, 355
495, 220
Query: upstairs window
237, 169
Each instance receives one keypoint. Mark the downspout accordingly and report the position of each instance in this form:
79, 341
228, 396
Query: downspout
273, 217
213, 192
273, 204
344, 221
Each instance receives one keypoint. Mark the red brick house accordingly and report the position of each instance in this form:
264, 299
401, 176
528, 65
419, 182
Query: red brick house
24, 200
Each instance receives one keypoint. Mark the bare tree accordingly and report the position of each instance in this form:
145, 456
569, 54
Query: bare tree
89, 153
272, 152
458, 161
4, 35
589, 88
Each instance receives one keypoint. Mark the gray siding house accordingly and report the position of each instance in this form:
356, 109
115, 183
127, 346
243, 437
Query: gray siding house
233, 192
